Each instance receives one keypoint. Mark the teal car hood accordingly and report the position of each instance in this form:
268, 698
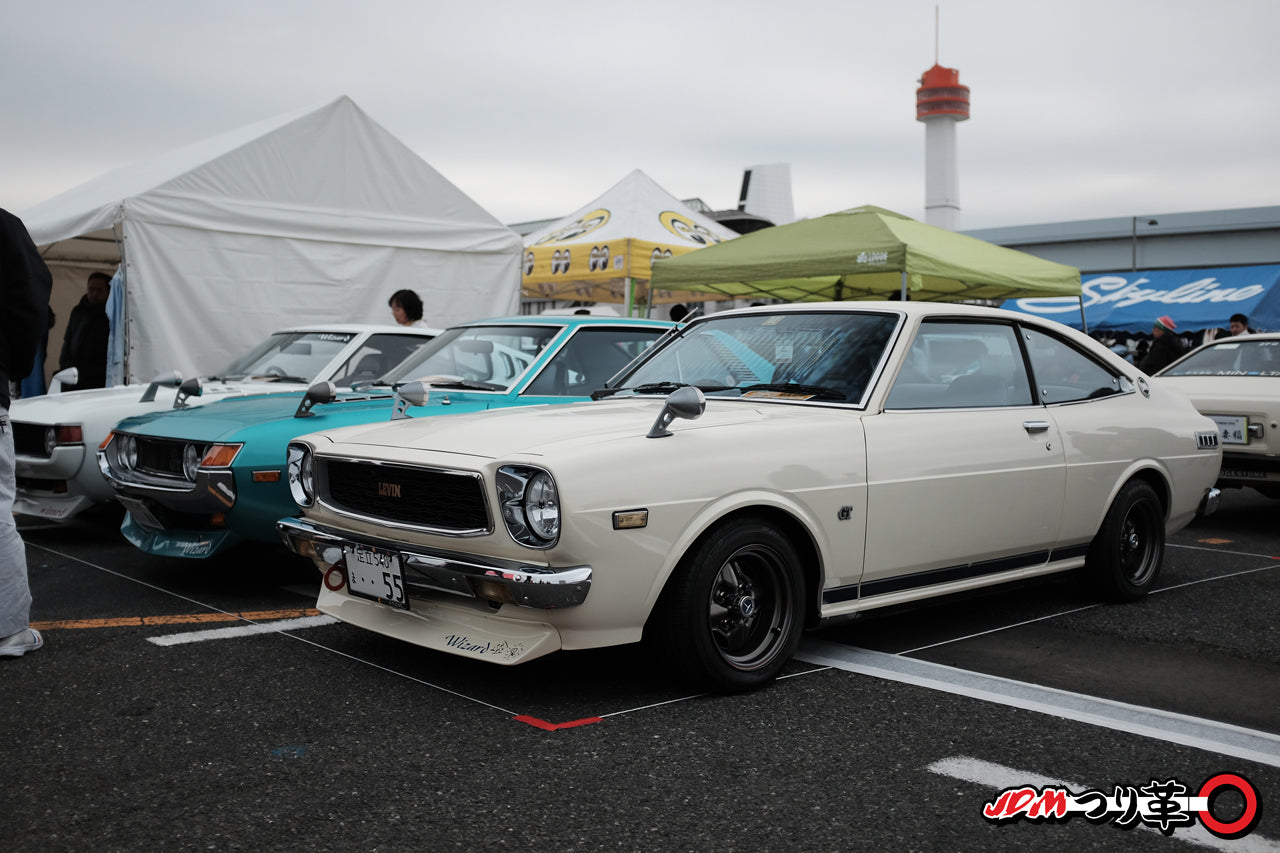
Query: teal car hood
265, 424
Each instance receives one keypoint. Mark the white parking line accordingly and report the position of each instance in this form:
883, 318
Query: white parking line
1250, 745
997, 777
242, 630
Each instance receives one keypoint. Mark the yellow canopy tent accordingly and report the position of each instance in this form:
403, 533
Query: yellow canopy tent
604, 252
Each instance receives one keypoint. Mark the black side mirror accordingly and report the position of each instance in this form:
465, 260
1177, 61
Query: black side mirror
190, 388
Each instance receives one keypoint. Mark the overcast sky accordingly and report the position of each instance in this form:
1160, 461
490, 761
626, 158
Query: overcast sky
1081, 109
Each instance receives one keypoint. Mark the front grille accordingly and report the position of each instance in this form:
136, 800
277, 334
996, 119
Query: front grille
28, 440
160, 457
431, 498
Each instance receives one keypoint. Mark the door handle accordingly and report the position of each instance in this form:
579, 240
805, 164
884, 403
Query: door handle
1036, 426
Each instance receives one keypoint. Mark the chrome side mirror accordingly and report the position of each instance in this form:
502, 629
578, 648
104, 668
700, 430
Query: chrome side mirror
190, 388
323, 391
687, 403
165, 380
407, 395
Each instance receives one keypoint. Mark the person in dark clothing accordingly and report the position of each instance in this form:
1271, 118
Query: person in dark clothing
24, 297
1166, 346
84, 345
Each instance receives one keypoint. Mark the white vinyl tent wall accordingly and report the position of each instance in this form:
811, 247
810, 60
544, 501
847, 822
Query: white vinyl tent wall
316, 216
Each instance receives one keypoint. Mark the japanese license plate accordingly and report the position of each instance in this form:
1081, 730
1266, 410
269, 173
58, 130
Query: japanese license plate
375, 574
1232, 429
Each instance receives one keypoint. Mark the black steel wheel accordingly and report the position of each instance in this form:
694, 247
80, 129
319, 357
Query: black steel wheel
1125, 556
731, 615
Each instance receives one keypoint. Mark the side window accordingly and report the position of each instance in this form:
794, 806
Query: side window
379, 354
589, 359
962, 366
1063, 373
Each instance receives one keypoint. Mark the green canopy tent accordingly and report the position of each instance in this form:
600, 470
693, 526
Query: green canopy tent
864, 253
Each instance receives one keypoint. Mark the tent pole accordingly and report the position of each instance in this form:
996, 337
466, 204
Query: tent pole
631, 283
904, 285
1084, 325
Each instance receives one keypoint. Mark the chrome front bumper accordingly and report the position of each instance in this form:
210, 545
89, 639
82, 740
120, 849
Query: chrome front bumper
1208, 503
538, 587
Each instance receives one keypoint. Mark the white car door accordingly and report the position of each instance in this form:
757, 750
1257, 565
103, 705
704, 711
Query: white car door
965, 474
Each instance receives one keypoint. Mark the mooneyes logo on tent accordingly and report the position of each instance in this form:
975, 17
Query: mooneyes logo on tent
686, 229
580, 227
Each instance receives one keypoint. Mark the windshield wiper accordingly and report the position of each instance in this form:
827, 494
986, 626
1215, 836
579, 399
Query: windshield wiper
464, 383
798, 390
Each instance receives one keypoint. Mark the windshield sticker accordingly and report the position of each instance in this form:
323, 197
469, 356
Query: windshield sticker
777, 395
782, 353
334, 336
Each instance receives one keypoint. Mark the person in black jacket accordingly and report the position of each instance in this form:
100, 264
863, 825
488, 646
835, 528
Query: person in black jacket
84, 345
1166, 346
24, 297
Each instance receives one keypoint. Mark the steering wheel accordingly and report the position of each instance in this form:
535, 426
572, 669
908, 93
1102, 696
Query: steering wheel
274, 370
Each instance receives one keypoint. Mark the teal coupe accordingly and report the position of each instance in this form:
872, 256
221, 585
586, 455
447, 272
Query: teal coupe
197, 481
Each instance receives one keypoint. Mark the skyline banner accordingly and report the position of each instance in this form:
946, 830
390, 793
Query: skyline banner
1196, 299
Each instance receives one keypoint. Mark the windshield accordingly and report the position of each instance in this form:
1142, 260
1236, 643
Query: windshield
297, 356
1238, 357
803, 355
488, 358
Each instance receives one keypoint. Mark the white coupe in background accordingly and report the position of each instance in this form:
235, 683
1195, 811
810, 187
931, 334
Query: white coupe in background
57, 435
754, 473
1236, 382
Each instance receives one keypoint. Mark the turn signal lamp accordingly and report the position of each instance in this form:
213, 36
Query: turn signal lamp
220, 455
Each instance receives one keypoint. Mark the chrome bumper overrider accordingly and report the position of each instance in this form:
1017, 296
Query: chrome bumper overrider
527, 586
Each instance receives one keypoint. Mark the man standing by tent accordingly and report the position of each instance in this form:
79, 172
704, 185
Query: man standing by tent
24, 297
1166, 346
84, 346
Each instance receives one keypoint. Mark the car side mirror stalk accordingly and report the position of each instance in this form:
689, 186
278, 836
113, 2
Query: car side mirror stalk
171, 379
407, 395
69, 376
192, 387
687, 403
319, 392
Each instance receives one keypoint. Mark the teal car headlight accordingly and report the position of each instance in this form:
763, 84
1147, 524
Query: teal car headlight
301, 475
530, 504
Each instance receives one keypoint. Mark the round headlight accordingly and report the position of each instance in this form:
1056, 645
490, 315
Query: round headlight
191, 456
542, 506
128, 453
50, 440
301, 477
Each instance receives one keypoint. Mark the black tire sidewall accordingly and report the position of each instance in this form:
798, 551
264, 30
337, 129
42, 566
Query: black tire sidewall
1103, 564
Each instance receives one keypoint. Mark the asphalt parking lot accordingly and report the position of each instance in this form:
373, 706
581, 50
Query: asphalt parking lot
184, 705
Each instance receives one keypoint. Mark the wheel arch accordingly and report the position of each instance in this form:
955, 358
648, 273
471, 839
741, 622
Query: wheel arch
795, 530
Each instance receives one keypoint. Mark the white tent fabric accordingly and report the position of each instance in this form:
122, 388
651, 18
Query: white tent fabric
317, 215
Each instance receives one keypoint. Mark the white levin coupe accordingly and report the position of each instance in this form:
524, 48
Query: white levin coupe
753, 474
1236, 382
56, 435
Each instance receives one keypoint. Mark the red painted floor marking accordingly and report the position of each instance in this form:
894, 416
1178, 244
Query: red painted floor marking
551, 727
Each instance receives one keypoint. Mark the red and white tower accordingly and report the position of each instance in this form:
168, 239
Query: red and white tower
941, 102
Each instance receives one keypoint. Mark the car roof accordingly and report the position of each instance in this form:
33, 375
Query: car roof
344, 328
567, 320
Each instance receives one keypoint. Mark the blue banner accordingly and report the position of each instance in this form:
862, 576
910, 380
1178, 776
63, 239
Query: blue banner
1196, 299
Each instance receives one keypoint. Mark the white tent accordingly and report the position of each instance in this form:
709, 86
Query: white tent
317, 215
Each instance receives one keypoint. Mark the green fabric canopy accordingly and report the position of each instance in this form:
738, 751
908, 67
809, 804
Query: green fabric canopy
864, 253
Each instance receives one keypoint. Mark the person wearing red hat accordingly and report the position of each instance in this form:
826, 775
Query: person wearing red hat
1166, 346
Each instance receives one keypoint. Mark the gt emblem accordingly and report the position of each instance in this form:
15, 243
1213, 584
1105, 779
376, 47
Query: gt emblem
389, 490
845, 513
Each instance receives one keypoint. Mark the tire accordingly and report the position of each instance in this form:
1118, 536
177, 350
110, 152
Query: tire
1124, 558
731, 615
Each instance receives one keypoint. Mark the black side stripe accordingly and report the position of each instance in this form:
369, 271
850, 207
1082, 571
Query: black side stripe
950, 574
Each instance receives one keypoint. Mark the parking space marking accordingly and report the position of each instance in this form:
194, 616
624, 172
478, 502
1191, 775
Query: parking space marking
242, 630
180, 619
997, 777
1221, 738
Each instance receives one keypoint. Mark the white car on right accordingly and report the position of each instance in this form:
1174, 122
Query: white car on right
1236, 383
